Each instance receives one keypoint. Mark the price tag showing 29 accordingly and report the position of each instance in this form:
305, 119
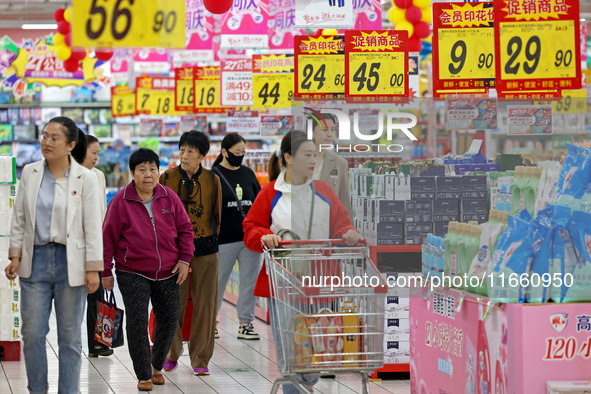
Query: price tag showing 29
128, 23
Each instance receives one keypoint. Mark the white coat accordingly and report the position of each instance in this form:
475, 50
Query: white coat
84, 245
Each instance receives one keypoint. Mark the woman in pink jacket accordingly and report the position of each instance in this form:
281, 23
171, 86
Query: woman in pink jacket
149, 235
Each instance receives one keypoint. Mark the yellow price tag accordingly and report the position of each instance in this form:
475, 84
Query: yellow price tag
321, 74
372, 74
128, 23
466, 53
123, 104
162, 102
272, 90
538, 50
184, 95
142, 100
207, 94
571, 102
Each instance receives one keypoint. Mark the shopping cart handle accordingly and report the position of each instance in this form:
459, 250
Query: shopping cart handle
361, 242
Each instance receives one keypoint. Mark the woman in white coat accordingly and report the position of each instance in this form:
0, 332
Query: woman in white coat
56, 248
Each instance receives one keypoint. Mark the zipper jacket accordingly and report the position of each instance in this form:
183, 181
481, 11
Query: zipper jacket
139, 246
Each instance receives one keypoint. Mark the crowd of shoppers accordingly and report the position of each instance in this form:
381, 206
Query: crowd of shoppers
166, 238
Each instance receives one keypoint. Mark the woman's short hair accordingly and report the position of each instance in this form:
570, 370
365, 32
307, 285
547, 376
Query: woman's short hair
195, 139
141, 156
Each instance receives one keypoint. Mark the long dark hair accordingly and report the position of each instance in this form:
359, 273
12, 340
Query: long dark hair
290, 143
227, 143
73, 133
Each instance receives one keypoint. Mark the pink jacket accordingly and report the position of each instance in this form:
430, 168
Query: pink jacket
139, 247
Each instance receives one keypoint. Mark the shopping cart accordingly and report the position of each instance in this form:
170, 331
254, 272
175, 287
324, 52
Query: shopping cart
324, 328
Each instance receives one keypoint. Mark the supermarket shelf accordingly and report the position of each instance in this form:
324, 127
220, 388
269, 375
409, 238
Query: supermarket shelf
375, 249
260, 313
389, 368
98, 104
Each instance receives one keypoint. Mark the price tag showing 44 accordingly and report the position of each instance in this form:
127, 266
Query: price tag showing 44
272, 90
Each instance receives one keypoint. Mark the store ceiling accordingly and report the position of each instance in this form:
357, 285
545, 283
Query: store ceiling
15, 13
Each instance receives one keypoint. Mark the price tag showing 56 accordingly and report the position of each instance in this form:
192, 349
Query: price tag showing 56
128, 23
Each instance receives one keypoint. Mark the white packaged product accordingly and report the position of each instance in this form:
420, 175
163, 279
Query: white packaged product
10, 328
10, 303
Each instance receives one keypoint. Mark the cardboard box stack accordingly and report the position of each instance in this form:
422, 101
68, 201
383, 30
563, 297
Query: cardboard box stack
10, 318
396, 321
401, 210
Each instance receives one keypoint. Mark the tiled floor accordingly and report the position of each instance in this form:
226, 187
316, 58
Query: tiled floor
237, 367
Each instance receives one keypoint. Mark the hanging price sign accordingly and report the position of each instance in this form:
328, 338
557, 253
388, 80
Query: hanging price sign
155, 96
206, 82
319, 66
376, 64
122, 101
183, 98
236, 78
272, 81
119, 23
537, 45
463, 46
570, 102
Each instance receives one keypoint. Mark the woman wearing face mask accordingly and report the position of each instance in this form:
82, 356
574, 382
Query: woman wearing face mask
239, 190
292, 190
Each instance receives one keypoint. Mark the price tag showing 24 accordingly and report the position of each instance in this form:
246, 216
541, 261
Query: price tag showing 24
128, 23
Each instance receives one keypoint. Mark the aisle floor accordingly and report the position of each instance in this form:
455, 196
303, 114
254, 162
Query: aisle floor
237, 366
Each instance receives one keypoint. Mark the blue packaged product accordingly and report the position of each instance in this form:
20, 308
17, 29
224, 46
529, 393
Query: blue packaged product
574, 176
564, 257
511, 261
540, 279
578, 288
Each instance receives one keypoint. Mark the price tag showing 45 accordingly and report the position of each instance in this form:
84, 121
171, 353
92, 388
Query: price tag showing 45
128, 23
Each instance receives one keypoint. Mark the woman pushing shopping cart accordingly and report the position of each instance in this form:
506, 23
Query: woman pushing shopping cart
294, 207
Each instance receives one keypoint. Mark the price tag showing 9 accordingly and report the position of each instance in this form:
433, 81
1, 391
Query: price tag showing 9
128, 23
466, 53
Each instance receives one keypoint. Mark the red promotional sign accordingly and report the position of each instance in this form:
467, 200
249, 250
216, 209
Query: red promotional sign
537, 46
463, 44
206, 83
376, 64
183, 97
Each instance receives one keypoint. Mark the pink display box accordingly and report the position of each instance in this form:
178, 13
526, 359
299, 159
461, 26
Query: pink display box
516, 348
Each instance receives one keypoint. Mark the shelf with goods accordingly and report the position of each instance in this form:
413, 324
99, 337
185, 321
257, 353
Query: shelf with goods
10, 319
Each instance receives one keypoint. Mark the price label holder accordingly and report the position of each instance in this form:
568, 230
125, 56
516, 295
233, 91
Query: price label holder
122, 101
155, 96
319, 67
120, 23
376, 66
206, 82
463, 46
537, 45
272, 81
183, 97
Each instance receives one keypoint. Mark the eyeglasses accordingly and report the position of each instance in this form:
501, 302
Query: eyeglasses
45, 139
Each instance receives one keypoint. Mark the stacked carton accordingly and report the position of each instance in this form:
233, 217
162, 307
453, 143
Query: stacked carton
10, 318
396, 321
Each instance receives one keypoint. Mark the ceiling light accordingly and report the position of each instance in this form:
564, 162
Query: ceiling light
39, 26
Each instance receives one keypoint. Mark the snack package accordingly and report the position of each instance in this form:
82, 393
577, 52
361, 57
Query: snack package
574, 176
302, 344
327, 340
580, 290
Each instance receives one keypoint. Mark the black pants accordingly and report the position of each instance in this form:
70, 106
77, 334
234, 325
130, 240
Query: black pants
137, 291
91, 311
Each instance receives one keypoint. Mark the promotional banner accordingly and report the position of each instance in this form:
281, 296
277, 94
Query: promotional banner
471, 114
376, 65
281, 24
108, 24
319, 66
151, 61
322, 14
199, 24
461, 344
236, 78
275, 125
246, 25
243, 122
183, 97
463, 47
529, 119
272, 81
206, 82
122, 101
538, 48
368, 14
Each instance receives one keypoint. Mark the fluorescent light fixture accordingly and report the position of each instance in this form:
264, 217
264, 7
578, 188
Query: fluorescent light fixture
39, 26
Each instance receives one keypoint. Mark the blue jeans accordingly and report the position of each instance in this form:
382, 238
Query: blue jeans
275, 310
249, 264
49, 282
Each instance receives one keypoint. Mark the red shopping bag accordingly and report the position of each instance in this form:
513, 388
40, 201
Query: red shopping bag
109, 322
